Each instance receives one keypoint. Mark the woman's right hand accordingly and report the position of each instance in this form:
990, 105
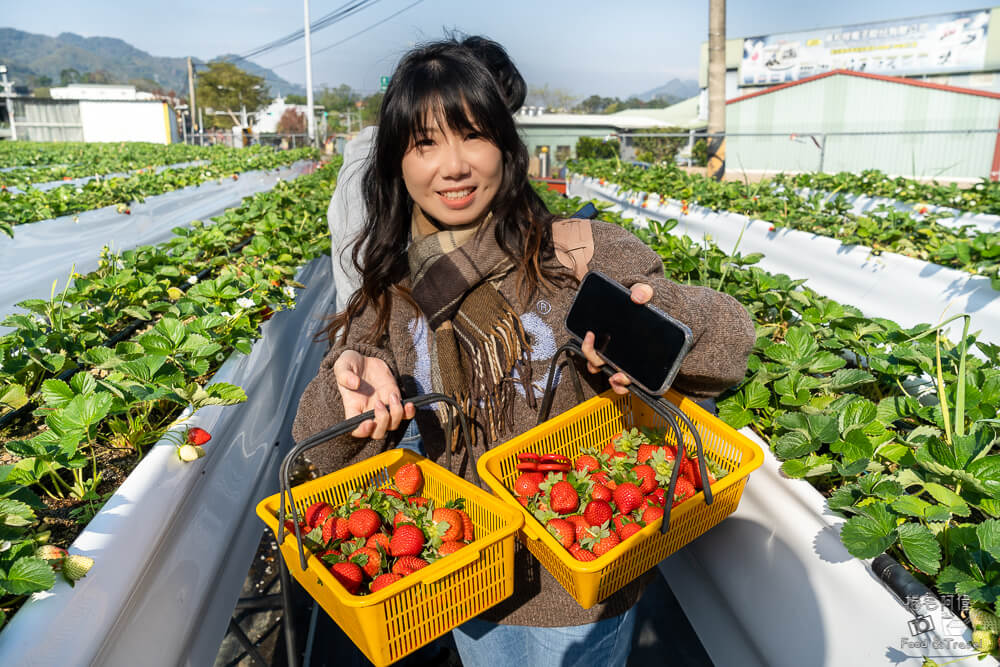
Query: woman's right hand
366, 383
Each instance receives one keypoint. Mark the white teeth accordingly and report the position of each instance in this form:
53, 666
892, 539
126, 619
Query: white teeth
457, 194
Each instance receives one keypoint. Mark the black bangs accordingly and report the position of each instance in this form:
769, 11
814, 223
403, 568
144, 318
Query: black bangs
452, 90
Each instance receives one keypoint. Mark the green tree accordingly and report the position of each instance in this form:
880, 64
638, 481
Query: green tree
295, 99
68, 76
659, 149
341, 98
225, 87
591, 147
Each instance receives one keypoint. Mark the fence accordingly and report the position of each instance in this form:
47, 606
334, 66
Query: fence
227, 138
959, 155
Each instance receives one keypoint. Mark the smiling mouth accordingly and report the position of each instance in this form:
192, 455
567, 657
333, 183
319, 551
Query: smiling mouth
455, 195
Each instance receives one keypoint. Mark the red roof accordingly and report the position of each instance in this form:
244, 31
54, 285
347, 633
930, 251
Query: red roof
868, 75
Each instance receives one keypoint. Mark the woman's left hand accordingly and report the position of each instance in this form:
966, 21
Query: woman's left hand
641, 293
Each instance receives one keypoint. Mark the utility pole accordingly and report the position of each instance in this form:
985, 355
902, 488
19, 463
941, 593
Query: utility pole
716, 89
194, 124
311, 119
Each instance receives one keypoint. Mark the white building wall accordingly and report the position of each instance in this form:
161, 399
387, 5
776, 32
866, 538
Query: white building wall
126, 121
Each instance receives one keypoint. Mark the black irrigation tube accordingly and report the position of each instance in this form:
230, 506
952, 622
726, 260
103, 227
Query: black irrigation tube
125, 333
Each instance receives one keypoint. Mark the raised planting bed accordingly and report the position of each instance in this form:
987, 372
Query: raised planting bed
31, 205
102, 159
100, 403
173, 544
890, 230
982, 197
45, 253
904, 289
842, 401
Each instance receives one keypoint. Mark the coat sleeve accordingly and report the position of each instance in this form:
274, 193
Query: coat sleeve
723, 332
320, 406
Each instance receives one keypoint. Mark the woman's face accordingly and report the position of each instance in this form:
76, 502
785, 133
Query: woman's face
453, 176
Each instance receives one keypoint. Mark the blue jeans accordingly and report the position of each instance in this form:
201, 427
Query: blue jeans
606, 643
412, 440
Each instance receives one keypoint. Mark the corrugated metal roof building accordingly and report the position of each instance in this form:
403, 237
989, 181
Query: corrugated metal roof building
880, 112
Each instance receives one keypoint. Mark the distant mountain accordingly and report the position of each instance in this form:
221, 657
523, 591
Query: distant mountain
29, 57
675, 89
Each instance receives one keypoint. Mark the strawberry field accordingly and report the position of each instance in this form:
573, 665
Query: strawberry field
895, 426
94, 375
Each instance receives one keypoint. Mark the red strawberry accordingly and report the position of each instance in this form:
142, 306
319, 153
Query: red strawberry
628, 530
408, 479
417, 501
601, 492
604, 479
317, 513
696, 477
580, 525
621, 520
449, 516
684, 490
290, 527
348, 574
372, 560
562, 530
266, 313
687, 470
627, 497
401, 518
408, 565
392, 492
597, 512
378, 540
587, 463
407, 540
563, 498
657, 496
651, 514
604, 542
468, 528
580, 553
364, 522
197, 436
647, 478
383, 580
527, 484
450, 547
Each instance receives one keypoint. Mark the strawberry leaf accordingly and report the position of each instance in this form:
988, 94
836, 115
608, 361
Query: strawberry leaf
870, 534
920, 547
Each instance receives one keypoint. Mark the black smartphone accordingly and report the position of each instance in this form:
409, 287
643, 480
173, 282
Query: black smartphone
640, 340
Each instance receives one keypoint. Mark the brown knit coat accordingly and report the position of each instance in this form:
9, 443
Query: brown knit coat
723, 336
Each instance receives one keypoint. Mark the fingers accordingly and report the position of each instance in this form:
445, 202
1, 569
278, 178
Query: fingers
346, 370
641, 293
619, 383
594, 362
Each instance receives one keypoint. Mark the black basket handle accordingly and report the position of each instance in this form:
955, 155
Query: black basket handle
662, 407
343, 428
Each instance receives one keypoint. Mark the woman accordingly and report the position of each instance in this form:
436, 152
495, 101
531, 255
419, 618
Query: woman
464, 291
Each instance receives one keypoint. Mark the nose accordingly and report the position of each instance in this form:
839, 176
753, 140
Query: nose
454, 161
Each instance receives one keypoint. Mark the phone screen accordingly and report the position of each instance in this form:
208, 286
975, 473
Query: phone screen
639, 340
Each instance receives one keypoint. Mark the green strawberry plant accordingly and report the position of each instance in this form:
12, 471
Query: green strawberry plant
123, 394
883, 230
896, 426
33, 205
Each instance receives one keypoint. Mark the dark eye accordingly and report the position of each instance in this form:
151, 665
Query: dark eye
421, 142
473, 135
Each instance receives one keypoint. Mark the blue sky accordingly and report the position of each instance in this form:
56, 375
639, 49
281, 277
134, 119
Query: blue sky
585, 47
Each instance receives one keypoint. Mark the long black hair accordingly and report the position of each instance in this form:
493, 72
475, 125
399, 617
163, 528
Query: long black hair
448, 82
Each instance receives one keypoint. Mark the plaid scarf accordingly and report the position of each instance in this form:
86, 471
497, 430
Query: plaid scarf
478, 339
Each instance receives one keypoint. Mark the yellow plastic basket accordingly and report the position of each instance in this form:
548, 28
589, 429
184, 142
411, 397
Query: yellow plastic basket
594, 423
401, 618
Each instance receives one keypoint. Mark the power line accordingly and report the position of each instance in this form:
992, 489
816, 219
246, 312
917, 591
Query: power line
346, 39
346, 10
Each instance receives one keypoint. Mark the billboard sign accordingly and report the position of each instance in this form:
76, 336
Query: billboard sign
954, 42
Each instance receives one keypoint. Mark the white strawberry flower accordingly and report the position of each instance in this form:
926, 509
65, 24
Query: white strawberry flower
193, 280
289, 291
225, 313
244, 302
